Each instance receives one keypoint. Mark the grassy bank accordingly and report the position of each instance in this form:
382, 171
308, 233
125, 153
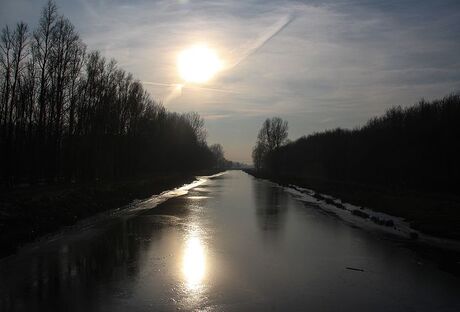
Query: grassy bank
30, 212
434, 214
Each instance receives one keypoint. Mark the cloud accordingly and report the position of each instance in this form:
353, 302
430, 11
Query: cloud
215, 116
318, 64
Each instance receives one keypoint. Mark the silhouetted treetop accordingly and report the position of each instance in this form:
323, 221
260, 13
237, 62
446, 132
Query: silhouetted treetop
272, 135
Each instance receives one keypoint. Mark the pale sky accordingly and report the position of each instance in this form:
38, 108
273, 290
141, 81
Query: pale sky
317, 64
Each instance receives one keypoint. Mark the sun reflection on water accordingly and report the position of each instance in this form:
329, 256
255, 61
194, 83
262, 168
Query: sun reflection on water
194, 262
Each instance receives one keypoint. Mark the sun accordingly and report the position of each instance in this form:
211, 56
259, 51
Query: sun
198, 64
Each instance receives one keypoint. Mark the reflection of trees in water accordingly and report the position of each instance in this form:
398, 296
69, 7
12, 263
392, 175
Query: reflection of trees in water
75, 277
270, 202
83, 272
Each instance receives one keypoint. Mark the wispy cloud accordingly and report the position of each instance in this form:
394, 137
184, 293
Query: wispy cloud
319, 64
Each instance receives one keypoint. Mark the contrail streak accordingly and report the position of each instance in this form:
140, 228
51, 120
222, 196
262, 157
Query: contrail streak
274, 30
249, 50
184, 86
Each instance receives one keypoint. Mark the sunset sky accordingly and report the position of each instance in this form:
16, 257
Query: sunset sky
317, 64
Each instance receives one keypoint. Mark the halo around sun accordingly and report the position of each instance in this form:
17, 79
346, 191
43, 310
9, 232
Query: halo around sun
198, 64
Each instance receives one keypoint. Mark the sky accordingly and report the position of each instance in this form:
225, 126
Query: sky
317, 64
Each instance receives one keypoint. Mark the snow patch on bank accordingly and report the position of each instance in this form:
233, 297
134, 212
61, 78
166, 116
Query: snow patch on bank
155, 200
90, 225
368, 219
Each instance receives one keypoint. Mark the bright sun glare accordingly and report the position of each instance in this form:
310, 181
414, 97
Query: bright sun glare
198, 64
194, 263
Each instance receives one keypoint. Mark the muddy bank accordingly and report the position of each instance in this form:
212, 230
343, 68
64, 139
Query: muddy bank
30, 212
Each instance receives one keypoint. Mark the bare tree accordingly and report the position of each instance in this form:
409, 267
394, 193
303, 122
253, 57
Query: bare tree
218, 152
258, 153
13, 54
41, 48
6, 61
278, 133
197, 124
272, 135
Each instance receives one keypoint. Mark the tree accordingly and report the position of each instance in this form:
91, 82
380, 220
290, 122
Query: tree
197, 124
218, 153
258, 153
272, 135
6, 62
13, 55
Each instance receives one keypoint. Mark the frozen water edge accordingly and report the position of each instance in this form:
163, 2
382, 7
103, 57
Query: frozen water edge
399, 227
155, 200
89, 226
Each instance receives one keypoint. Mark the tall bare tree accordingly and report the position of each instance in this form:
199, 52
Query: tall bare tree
272, 135
41, 48
197, 124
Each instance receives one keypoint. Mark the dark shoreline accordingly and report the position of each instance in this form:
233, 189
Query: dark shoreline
447, 260
434, 214
29, 213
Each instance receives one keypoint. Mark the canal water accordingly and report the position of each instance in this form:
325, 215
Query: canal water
227, 243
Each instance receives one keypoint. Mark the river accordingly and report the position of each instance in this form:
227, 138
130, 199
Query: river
227, 243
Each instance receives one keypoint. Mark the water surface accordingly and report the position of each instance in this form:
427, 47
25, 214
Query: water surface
233, 243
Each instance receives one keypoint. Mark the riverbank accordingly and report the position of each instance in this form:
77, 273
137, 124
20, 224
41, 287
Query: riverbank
28, 213
433, 214
441, 249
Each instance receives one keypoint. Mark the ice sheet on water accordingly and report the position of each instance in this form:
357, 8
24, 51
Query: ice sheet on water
374, 222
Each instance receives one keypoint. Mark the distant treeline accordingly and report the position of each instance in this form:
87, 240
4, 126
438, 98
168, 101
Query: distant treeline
66, 114
414, 148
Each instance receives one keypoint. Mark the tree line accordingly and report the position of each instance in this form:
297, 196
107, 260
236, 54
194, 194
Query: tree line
414, 148
68, 114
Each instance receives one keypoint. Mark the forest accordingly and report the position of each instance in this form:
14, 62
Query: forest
67, 114
413, 148
405, 163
